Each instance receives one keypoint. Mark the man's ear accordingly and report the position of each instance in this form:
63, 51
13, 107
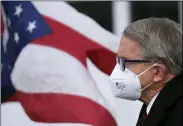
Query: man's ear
159, 72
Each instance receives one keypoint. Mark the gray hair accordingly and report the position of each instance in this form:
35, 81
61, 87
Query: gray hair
160, 40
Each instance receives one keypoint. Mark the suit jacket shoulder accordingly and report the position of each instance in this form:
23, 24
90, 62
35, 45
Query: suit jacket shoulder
167, 108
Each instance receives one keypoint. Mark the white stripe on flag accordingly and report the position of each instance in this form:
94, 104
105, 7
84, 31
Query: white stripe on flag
53, 70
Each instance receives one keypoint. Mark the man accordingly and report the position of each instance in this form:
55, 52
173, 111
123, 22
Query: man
148, 69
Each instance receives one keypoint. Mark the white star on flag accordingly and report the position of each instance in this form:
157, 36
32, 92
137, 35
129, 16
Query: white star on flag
18, 10
31, 26
9, 22
5, 40
16, 37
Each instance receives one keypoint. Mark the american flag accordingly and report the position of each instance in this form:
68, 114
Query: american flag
44, 61
23, 24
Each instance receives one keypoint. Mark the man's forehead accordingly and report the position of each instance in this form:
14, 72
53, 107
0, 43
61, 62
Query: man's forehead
129, 49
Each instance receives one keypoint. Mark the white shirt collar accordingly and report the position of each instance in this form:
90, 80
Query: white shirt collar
151, 103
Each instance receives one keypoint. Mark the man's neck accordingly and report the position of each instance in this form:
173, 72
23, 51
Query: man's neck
147, 97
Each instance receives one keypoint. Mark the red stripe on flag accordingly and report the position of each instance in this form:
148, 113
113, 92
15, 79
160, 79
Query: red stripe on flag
103, 59
56, 108
77, 45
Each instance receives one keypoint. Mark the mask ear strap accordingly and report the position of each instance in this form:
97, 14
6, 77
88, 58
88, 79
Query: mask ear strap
146, 86
147, 70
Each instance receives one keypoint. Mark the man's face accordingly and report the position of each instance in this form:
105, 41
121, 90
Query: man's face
129, 49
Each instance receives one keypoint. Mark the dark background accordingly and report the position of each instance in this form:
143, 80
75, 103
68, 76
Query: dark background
102, 11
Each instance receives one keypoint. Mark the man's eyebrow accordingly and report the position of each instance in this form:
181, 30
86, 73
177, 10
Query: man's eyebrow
123, 57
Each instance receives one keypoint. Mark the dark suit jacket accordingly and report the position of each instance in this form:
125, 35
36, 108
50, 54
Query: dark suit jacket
167, 109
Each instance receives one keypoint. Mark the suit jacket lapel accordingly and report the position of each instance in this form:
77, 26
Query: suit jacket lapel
156, 113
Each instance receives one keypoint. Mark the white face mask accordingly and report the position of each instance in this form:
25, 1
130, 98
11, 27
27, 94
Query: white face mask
126, 84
